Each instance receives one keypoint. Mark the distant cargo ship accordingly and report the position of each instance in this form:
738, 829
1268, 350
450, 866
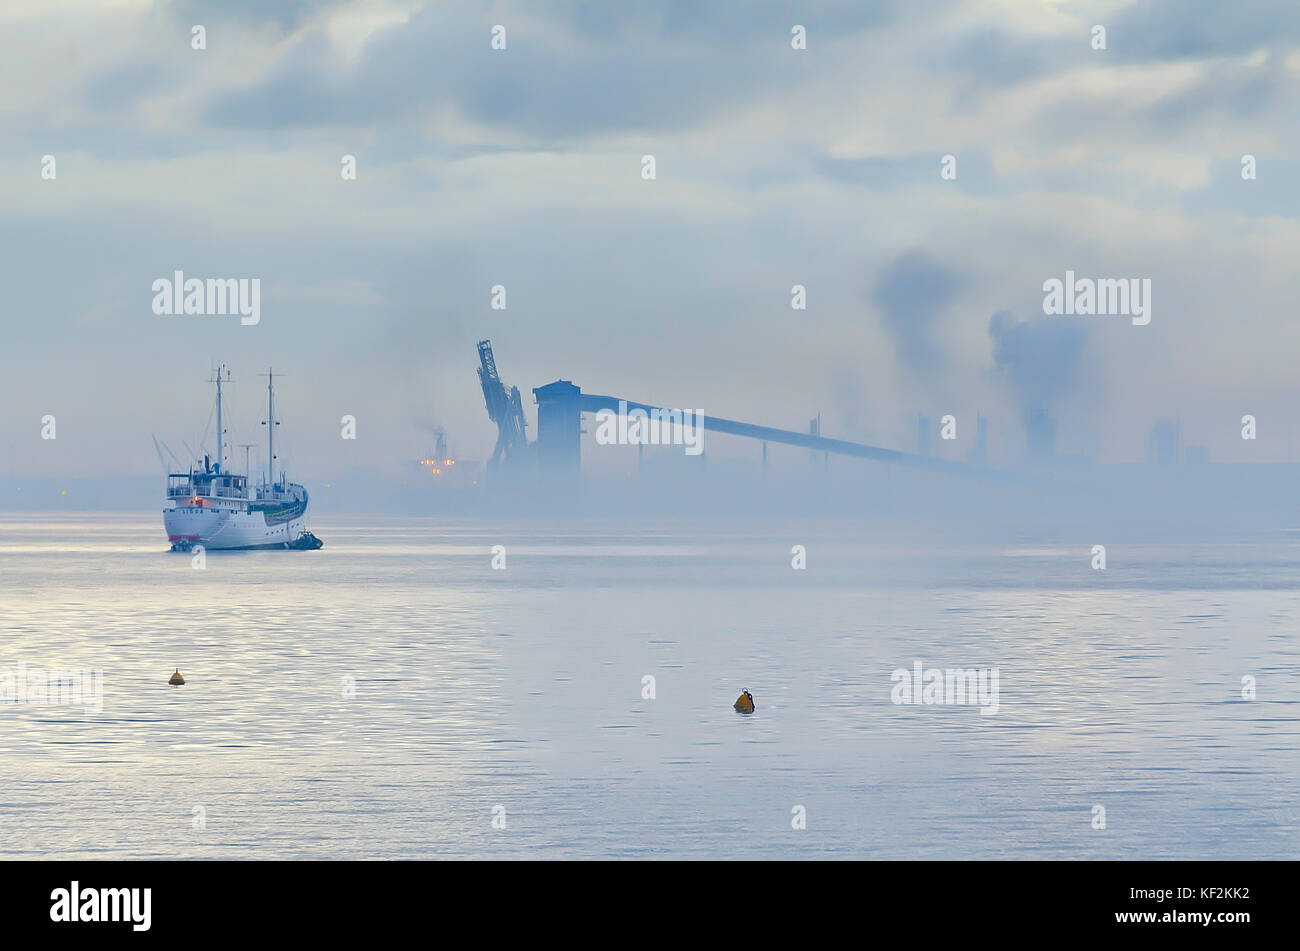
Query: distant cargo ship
441, 469
220, 510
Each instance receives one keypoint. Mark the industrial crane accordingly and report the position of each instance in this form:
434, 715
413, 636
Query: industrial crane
504, 408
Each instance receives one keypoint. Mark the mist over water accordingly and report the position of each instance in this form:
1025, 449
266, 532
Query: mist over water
522, 688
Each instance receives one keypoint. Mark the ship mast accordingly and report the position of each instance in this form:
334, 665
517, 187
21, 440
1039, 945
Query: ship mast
221, 432
270, 423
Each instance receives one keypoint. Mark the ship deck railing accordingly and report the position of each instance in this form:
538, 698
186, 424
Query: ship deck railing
190, 494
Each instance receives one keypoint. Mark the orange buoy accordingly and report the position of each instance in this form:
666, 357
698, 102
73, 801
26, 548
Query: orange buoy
177, 679
745, 703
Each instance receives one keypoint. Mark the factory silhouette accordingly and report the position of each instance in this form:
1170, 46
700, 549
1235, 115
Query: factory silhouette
1037, 490
562, 404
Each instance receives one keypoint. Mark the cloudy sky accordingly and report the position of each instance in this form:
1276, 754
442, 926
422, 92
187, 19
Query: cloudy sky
523, 167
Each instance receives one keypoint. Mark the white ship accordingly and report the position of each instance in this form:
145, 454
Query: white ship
220, 510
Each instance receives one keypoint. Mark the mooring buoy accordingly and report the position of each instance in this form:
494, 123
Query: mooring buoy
177, 679
745, 703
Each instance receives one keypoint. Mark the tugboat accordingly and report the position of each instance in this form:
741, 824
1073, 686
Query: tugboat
217, 509
307, 542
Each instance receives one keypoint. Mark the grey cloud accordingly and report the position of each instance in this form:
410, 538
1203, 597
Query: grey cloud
1225, 90
694, 60
992, 57
1182, 29
287, 15
721, 21
912, 293
1040, 358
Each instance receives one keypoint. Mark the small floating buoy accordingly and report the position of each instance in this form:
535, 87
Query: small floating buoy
177, 679
745, 703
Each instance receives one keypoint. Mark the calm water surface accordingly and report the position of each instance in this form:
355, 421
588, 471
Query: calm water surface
477, 688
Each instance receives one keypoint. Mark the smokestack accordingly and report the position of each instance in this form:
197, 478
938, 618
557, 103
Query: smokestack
1040, 432
1164, 442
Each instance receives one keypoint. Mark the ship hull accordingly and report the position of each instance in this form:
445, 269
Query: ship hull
230, 531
